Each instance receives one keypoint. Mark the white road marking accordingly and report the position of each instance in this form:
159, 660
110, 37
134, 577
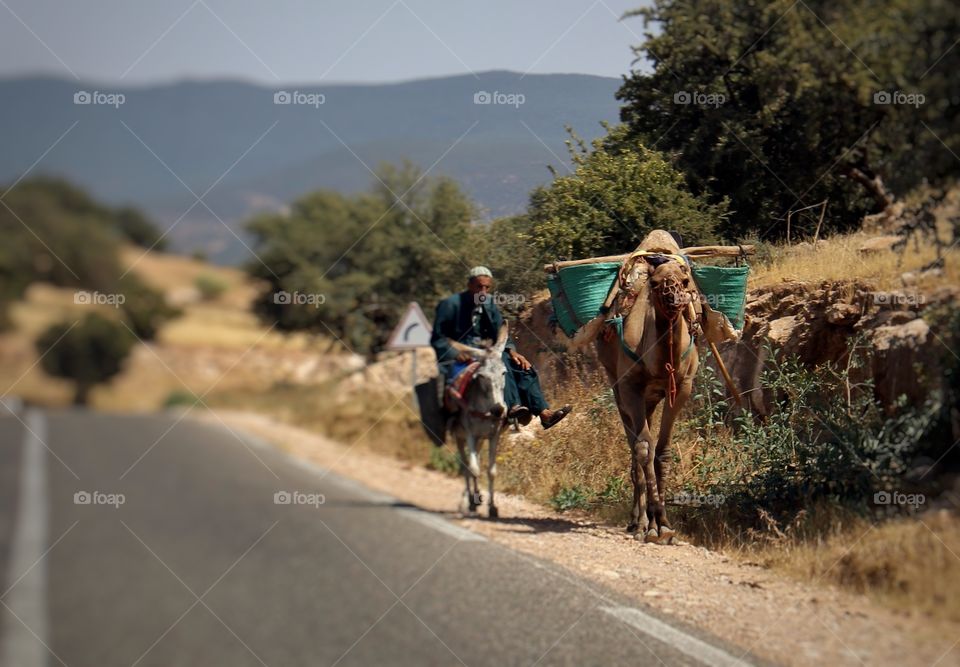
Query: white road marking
10, 404
24, 636
677, 639
441, 524
358, 488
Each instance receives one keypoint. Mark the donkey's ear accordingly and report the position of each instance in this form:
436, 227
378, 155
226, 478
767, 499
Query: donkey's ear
501, 343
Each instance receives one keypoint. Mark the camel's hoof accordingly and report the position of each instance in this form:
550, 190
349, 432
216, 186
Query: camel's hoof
494, 513
651, 537
632, 527
667, 534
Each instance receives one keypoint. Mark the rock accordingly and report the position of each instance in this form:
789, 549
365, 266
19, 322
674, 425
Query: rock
879, 244
781, 330
912, 335
842, 313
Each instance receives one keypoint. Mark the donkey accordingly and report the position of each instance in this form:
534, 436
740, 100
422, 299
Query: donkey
482, 416
653, 359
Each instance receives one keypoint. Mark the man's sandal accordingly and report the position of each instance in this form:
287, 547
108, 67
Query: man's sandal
521, 413
556, 417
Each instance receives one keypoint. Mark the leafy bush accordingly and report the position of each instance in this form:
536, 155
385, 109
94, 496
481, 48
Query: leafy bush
618, 192
814, 446
445, 460
210, 286
570, 497
180, 397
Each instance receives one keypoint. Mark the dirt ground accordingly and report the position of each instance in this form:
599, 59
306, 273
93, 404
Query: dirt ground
772, 616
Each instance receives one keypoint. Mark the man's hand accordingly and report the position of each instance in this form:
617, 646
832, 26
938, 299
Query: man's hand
464, 357
520, 360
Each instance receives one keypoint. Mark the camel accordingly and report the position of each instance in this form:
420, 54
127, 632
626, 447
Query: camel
655, 359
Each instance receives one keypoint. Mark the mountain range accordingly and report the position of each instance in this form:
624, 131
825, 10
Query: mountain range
243, 147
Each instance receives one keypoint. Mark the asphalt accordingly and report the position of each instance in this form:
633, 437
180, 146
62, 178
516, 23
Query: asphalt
184, 556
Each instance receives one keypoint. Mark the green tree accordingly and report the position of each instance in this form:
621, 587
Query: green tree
88, 353
774, 105
354, 262
145, 309
617, 192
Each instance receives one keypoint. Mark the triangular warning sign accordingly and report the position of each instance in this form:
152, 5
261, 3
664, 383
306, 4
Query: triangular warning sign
412, 332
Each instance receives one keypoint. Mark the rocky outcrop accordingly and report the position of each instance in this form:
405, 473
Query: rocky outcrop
816, 322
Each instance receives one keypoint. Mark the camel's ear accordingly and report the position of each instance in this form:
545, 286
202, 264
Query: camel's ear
501, 343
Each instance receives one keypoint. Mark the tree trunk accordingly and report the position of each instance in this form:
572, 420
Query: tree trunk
82, 394
873, 184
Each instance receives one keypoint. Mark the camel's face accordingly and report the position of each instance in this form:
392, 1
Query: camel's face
670, 286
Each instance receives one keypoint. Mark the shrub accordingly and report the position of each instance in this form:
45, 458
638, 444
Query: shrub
210, 286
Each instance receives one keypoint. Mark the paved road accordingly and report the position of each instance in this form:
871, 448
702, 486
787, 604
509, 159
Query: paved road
143, 540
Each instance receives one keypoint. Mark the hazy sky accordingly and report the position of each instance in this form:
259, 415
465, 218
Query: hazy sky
301, 40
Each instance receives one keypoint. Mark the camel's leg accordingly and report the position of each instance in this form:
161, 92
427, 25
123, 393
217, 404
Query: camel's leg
636, 471
662, 460
632, 401
493, 513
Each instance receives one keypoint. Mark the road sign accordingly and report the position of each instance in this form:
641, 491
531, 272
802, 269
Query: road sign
412, 332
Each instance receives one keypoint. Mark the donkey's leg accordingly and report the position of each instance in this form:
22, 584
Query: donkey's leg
493, 513
473, 460
466, 503
663, 456
476, 496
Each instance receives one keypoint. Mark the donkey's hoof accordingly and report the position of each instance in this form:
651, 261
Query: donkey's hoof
632, 527
493, 513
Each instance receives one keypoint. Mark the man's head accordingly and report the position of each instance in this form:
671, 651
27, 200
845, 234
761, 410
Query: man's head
480, 282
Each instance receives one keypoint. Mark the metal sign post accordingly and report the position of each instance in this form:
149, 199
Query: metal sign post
412, 332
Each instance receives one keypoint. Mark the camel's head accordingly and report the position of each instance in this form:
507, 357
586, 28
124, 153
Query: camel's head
669, 284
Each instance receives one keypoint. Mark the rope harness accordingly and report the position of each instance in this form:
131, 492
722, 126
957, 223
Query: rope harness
670, 299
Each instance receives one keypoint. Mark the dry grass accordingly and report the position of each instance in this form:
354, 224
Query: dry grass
839, 259
908, 564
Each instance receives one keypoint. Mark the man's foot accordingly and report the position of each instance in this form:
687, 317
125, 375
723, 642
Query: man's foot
550, 418
521, 413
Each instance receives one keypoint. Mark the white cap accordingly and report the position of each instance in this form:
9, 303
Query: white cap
480, 271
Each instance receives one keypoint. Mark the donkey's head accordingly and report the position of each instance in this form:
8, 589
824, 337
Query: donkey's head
484, 397
669, 284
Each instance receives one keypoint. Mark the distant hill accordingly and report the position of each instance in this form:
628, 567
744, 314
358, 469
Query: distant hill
200, 129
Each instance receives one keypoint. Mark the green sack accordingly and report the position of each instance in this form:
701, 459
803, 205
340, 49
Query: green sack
578, 293
725, 288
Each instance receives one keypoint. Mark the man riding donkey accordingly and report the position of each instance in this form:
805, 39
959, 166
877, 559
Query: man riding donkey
470, 317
